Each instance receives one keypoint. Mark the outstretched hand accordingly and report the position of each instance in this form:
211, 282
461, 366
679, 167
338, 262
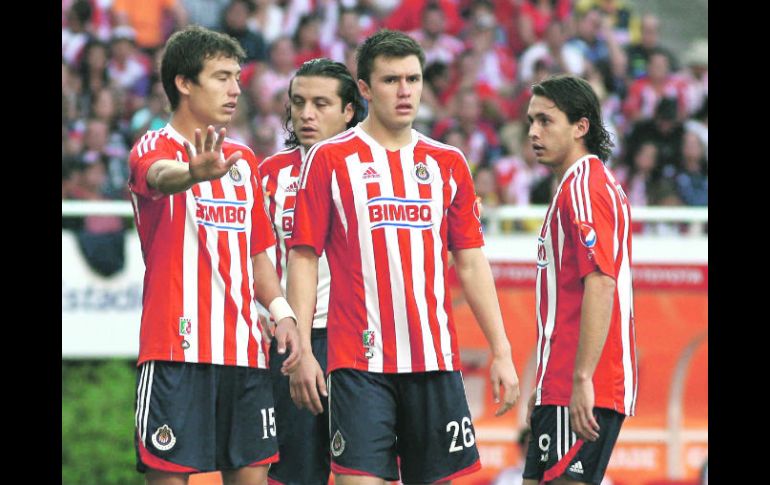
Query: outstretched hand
208, 163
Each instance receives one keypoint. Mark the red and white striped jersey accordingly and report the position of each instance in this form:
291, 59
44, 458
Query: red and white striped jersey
386, 220
586, 229
280, 182
198, 300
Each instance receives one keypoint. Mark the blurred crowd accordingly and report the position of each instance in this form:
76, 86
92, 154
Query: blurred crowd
482, 57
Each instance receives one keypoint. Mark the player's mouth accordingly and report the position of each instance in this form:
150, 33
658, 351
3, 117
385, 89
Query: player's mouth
229, 107
308, 130
538, 149
403, 108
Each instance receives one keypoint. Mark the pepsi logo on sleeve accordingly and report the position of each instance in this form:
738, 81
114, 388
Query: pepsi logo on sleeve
587, 234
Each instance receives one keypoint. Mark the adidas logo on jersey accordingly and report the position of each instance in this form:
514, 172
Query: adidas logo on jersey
577, 468
370, 173
294, 187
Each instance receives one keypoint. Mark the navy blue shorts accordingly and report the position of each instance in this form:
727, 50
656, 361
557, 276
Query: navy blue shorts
419, 421
554, 450
303, 439
201, 417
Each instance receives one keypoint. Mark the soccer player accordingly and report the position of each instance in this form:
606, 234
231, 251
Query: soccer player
204, 394
323, 101
387, 203
586, 377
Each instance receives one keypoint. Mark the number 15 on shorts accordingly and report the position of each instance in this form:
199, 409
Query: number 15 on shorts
468, 439
268, 422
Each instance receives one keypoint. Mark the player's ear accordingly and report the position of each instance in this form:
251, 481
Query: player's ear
363, 88
581, 127
349, 112
182, 84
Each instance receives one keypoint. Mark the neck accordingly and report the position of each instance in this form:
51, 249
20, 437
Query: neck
389, 138
186, 124
560, 170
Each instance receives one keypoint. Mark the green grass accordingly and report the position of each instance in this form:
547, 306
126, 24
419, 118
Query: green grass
98, 422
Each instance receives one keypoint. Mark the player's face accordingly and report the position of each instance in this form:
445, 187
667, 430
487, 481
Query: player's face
316, 109
213, 98
554, 139
395, 90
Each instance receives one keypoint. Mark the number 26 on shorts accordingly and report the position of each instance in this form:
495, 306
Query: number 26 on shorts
468, 438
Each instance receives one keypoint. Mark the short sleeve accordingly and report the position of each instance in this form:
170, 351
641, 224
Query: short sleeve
464, 217
312, 209
591, 226
142, 156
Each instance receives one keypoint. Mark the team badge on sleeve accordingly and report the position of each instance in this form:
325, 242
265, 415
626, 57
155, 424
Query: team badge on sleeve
421, 174
587, 234
163, 438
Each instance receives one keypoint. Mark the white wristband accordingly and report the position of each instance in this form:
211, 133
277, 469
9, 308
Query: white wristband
280, 309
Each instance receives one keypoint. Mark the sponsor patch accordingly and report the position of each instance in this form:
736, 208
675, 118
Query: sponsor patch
338, 444
542, 259
163, 438
587, 234
185, 326
368, 342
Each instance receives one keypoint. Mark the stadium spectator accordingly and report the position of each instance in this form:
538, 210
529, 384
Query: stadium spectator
307, 39
281, 68
553, 50
496, 66
696, 76
93, 68
407, 16
619, 16
692, 182
479, 136
439, 46
664, 130
346, 22
185, 337
596, 41
373, 372
518, 174
234, 18
639, 53
588, 387
699, 124
128, 69
324, 101
267, 18
536, 15
640, 179
148, 18
645, 93
512, 475
152, 116
75, 35
206, 13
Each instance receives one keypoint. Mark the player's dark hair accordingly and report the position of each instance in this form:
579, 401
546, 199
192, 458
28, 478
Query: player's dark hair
347, 91
386, 43
575, 97
187, 51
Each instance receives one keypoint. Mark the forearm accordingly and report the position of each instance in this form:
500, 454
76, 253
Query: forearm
478, 285
595, 316
301, 290
267, 287
170, 176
